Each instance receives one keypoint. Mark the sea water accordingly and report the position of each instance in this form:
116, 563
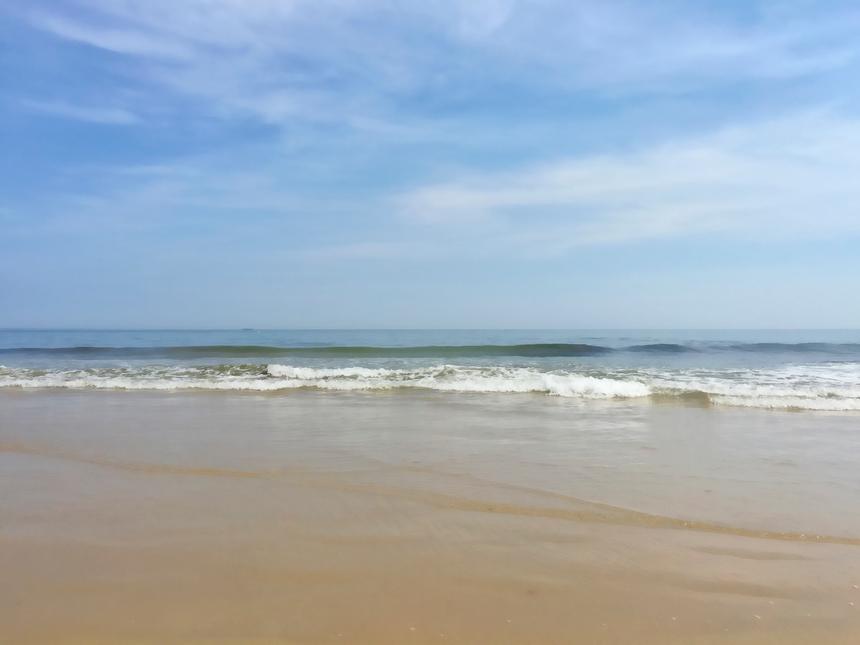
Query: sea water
780, 369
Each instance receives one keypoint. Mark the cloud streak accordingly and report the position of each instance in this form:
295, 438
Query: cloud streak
92, 114
120, 41
351, 62
785, 178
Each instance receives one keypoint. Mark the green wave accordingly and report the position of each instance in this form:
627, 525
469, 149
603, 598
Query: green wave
425, 351
528, 350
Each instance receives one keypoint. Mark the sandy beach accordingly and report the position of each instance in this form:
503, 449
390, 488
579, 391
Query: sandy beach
421, 518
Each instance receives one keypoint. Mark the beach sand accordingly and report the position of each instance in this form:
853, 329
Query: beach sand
320, 517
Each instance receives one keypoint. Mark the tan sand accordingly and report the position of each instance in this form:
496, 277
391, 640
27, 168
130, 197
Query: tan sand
151, 518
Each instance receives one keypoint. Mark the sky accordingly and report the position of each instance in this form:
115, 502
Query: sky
394, 164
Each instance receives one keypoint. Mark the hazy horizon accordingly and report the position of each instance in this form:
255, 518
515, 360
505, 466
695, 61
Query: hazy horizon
571, 329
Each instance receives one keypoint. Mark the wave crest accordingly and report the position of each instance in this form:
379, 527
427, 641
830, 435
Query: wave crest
449, 378
833, 387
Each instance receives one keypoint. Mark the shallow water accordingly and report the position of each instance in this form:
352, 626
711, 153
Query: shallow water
365, 516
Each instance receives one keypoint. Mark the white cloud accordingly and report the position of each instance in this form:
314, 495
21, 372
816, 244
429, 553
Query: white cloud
790, 177
351, 61
369, 65
122, 41
93, 114
626, 47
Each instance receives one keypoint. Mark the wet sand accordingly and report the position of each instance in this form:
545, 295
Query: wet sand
415, 518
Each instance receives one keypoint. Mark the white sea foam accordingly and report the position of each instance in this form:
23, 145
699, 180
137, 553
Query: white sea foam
442, 378
449, 378
823, 404
833, 387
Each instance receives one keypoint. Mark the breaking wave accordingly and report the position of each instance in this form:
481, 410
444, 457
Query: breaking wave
833, 386
449, 378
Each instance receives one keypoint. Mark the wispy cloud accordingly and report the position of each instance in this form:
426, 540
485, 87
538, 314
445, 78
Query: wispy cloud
356, 62
789, 177
119, 40
93, 114
371, 66
376, 145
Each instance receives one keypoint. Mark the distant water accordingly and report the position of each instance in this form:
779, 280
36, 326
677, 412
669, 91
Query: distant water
799, 369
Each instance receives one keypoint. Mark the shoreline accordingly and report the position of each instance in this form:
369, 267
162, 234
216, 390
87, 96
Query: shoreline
337, 517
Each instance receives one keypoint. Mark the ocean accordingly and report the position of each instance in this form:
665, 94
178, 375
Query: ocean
802, 370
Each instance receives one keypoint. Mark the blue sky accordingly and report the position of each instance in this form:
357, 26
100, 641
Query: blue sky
494, 163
